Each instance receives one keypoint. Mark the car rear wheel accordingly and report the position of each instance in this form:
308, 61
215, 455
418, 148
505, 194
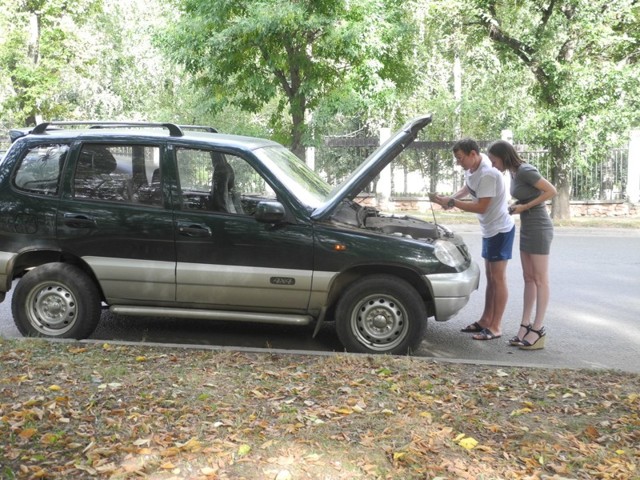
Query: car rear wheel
56, 300
381, 314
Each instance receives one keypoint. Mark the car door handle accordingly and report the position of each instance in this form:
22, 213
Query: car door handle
75, 220
194, 230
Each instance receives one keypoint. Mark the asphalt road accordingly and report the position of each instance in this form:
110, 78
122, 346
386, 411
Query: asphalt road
593, 319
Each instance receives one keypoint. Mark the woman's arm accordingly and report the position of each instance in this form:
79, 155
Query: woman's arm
547, 190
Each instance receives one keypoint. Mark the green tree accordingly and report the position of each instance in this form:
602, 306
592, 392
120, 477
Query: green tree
251, 53
79, 59
580, 54
37, 51
124, 76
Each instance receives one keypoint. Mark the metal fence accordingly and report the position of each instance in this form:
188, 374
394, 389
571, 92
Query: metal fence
430, 166
603, 180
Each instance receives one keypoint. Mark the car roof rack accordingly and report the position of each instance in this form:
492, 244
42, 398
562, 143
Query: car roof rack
204, 128
174, 130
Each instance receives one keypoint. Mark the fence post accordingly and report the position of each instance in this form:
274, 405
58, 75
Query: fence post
384, 182
633, 167
507, 136
310, 157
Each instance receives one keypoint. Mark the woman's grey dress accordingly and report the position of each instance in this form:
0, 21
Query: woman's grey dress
536, 227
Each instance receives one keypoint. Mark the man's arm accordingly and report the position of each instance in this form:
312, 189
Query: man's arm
473, 207
444, 201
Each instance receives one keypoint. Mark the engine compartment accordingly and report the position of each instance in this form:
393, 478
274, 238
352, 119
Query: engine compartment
351, 213
405, 226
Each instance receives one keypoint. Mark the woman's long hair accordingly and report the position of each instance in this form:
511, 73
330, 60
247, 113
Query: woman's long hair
505, 151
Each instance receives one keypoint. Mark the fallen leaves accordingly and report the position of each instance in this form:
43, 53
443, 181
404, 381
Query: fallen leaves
119, 412
466, 442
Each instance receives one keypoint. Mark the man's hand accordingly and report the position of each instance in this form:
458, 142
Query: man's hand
443, 201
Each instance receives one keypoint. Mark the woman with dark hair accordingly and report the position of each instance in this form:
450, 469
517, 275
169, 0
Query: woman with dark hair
531, 190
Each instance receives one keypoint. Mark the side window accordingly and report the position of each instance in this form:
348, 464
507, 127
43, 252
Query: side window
219, 182
119, 173
39, 171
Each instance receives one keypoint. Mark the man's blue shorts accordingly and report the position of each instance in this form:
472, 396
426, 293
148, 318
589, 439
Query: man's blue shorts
498, 247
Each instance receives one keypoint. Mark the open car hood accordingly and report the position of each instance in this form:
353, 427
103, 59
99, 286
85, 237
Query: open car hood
372, 166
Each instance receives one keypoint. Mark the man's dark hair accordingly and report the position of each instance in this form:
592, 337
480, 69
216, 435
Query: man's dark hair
467, 145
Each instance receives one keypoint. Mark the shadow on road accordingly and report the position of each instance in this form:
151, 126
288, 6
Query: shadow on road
219, 333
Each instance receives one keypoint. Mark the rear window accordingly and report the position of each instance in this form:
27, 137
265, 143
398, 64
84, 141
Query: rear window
39, 170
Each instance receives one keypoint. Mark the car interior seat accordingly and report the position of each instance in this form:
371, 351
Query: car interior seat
222, 186
97, 176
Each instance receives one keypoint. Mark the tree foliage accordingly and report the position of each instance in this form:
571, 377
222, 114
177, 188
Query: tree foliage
37, 50
584, 69
248, 53
80, 59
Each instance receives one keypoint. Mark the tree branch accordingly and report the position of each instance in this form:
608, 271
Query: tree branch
278, 73
546, 13
523, 51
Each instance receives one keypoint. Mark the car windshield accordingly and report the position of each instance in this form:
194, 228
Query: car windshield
305, 184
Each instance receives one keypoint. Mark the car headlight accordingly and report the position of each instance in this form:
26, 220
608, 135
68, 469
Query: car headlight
448, 253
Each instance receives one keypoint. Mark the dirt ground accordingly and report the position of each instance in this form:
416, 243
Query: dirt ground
101, 411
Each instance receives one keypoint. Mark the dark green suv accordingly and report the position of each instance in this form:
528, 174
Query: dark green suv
173, 221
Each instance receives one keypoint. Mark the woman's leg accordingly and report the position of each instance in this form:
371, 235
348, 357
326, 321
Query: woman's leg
538, 268
530, 294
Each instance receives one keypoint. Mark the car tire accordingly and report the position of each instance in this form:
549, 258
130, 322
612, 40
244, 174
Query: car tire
381, 314
56, 300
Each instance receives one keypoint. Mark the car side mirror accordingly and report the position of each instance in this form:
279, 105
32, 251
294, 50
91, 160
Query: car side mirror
269, 212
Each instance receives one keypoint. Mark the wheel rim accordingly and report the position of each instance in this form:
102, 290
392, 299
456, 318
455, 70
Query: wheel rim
380, 322
52, 308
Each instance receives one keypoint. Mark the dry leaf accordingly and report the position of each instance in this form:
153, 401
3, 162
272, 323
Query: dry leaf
244, 449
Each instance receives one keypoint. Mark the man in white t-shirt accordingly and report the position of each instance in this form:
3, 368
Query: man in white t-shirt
485, 185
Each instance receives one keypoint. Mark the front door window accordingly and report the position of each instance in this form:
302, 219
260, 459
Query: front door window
219, 182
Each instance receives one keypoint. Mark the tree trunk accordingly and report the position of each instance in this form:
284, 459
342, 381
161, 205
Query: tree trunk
298, 106
297, 146
561, 206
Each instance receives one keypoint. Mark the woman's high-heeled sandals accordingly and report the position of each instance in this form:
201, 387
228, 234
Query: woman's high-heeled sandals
516, 341
538, 344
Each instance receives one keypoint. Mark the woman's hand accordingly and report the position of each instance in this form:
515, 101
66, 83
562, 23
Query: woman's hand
516, 209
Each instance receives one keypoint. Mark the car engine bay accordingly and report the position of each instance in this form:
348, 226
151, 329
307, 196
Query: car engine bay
370, 218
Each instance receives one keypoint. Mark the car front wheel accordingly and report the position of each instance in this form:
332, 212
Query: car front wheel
56, 300
381, 314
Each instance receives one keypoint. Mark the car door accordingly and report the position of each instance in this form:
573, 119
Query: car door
226, 259
29, 198
114, 216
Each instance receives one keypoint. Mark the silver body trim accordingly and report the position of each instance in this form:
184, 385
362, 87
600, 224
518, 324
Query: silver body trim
451, 291
320, 289
127, 279
5, 259
279, 319
199, 283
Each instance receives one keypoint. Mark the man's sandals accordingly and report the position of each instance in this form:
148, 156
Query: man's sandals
475, 327
485, 334
481, 333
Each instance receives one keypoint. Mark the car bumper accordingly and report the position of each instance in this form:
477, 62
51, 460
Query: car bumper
6, 259
451, 291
